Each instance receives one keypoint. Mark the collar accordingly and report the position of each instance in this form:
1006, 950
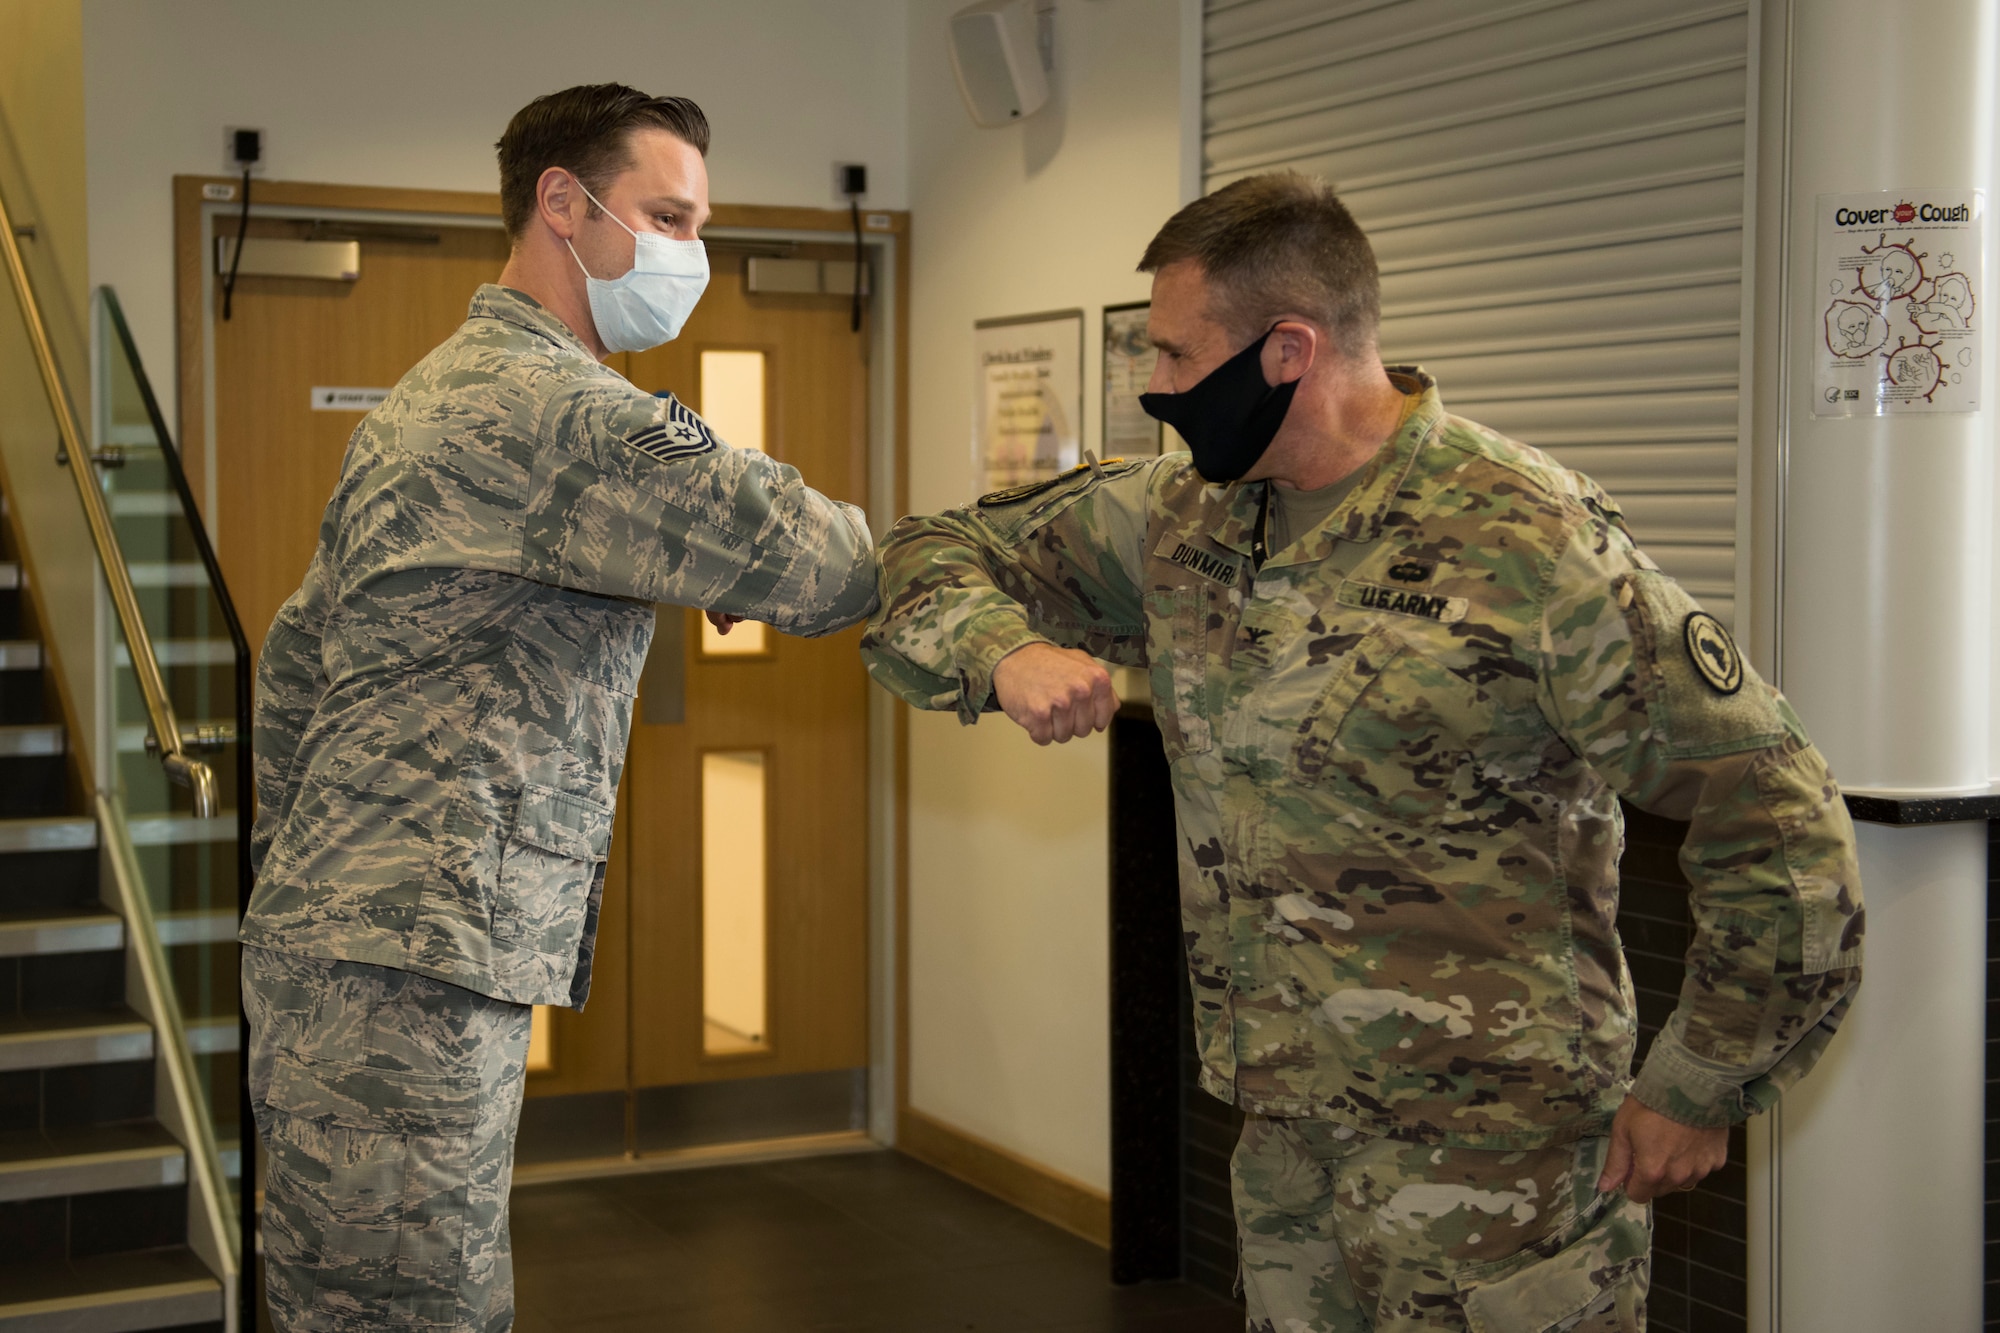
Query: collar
1359, 518
510, 306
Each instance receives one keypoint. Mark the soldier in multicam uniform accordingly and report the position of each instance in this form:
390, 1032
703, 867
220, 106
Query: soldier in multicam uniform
443, 708
1405, 669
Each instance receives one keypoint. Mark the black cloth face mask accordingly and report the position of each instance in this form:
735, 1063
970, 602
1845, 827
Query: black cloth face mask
1230, 418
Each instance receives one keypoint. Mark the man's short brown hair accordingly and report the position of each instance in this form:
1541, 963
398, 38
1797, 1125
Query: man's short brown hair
1277, 244
587, 131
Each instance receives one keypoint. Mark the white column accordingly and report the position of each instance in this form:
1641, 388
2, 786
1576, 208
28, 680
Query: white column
1886, 647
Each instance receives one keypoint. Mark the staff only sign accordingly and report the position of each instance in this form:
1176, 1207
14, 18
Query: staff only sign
1901, 295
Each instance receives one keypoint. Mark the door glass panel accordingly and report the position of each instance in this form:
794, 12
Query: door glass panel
541, 1041
732, 401
750, 639
732, 901
732, 396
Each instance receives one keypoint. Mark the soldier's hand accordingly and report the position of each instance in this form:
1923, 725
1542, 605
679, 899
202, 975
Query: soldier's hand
1651, 1155
722, 620
1055, 694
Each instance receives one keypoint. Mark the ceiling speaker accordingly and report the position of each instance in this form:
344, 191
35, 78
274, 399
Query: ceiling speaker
1000, 50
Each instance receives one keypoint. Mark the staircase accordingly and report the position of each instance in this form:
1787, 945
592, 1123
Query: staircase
94, 1194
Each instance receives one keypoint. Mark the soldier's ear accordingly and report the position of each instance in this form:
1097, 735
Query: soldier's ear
1297, 345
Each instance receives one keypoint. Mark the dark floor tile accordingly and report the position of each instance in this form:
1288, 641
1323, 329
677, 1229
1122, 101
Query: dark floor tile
910, 1303
554, 1223
1218, 1316
946, 1220
867, 1243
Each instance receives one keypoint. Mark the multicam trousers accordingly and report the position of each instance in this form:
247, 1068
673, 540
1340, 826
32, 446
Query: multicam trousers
1343, 1232
386, 1103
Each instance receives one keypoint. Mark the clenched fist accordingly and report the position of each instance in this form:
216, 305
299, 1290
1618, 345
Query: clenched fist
1055, 694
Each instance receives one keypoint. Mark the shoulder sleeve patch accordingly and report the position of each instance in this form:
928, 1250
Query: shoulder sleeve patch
1701, 698
1713, 652
677, 433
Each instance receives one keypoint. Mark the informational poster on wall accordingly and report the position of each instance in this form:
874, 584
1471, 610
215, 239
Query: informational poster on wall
1900, 292
1027, 399
1128, 365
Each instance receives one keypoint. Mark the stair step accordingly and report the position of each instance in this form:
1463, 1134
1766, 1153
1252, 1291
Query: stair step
168, 574
41, 738
20, 655
196, 927
174, 830
65, 833
180, 652
119, 1293
90, 932
145, 504
96, 1039
211, 1036
89, 1162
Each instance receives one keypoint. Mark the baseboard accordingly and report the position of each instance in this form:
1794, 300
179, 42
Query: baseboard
687, 1159
1029, 1186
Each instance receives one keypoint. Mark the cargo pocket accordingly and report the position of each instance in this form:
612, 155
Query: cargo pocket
369, 1175
547, 869
1595, 1283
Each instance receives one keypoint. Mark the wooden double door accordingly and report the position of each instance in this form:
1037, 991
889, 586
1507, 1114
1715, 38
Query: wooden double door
733, 939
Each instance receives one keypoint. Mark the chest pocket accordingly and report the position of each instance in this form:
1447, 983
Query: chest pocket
1396, 733
1180, 675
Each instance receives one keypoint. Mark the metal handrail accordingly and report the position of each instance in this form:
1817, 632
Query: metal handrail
180, 767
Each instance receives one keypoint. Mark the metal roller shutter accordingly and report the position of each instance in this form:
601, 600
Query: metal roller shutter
1554, 189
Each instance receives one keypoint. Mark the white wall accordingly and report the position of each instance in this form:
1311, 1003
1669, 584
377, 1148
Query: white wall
1009, 938
385, 92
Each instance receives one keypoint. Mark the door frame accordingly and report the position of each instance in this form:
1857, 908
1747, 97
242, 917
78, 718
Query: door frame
886, 236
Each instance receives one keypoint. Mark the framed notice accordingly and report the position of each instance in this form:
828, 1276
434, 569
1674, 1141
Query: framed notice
1128, 364
1027, 398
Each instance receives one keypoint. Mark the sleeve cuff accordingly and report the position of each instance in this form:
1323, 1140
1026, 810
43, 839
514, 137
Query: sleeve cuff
984, 643
1684, 1087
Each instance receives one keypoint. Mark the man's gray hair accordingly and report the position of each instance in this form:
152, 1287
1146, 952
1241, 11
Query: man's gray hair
1277, 244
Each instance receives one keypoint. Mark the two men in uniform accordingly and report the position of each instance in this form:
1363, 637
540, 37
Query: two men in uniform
1404, 668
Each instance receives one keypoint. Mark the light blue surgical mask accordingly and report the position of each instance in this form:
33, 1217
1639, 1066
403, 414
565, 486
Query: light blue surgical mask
648, 305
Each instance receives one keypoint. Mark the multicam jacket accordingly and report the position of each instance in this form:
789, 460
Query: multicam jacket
1397, 748
443, 705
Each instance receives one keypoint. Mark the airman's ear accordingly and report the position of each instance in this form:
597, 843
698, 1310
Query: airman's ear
558, 200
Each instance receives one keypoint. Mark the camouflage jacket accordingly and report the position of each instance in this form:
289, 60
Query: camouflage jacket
1396, 750
443, 705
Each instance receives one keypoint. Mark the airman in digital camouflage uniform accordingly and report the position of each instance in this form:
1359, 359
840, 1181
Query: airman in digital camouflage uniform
1404, 669
443, 708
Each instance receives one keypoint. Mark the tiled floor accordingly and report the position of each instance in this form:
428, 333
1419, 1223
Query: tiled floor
867, 1243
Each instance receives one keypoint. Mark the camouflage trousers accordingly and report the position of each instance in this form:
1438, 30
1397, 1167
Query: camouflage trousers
1343, 1232
386, 1104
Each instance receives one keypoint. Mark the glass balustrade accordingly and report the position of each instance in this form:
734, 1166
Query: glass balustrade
191, 868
